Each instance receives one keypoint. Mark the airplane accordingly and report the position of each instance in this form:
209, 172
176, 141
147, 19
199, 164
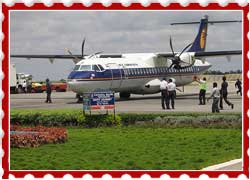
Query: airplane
139, 73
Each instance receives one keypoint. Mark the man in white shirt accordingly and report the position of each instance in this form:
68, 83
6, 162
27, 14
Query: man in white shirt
216, 97
24, 86
171, 92
164, 93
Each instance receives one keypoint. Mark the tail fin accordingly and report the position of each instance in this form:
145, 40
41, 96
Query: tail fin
199, 44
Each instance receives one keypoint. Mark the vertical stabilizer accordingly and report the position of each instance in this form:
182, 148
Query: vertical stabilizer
199, 44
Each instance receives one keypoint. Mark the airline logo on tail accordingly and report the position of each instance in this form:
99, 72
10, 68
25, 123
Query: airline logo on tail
203, 38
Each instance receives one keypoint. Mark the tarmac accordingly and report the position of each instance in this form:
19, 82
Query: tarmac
186, 101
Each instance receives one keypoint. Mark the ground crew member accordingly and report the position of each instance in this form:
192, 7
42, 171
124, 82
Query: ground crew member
164, 93
216, 97
24, 86
171, 92
203, 89
224, 93
48, 91
238, 85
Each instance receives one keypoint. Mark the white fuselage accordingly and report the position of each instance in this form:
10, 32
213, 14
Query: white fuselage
133, 73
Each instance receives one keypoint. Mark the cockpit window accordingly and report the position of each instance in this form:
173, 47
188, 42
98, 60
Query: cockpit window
101, 68
76, 67
96, 68
85, 68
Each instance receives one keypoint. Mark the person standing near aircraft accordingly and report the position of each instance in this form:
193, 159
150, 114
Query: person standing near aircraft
48, 91
216, 96
24, 86
203, 89
171, 92
164, 94
238, 85
224, 93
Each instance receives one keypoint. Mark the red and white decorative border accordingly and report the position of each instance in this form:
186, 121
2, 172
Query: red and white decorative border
9, 5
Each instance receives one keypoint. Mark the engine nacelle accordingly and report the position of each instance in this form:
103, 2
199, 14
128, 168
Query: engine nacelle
188, 58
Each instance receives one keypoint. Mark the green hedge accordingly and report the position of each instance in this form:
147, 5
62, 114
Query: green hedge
75, 117
68, 117
174, 120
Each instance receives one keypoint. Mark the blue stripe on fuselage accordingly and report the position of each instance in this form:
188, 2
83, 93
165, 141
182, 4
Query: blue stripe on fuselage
135, 72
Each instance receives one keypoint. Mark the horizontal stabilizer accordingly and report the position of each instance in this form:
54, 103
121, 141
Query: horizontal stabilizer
209, 22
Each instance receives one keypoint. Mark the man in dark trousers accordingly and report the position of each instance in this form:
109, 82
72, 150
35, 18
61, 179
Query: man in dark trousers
238, 85
203, 89
171, 92
224, 93
48, 91
164, 94
216, 97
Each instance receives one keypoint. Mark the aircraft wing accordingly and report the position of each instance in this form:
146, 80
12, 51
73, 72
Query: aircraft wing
74, 58
216, 53
205, 54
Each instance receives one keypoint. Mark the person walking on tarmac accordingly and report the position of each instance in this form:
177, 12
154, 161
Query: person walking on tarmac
171, 92
164, 94
24, 86
238, 85
216, 97
48, 91
224, 93
203, 89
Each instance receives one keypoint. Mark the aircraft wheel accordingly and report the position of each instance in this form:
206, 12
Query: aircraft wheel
124, 95
20, 89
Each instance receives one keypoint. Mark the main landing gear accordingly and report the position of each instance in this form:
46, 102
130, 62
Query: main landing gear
124, 95
79, 98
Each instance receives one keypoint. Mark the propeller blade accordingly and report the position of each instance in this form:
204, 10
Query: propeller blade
185, 49
95, 54
76, 58
171, 45
67, 50
83, 42
171, 66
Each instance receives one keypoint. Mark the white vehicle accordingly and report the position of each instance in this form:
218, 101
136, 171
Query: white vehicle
13, 81
139, 73
17, 80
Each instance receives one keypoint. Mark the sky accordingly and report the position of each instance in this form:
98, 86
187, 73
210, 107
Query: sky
51, 32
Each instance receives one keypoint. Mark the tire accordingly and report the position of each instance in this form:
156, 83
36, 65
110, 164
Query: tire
58, 89
19, 89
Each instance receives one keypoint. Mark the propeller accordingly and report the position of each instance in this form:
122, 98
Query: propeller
83, 42
95, 54
176, 60
76, 59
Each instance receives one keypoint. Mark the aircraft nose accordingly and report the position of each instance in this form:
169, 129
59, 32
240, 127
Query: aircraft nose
72, 75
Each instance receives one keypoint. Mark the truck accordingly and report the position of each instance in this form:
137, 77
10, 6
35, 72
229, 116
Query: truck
12, 78
17, 80
57, 86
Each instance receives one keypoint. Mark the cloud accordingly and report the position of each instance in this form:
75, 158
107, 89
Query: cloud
50, 32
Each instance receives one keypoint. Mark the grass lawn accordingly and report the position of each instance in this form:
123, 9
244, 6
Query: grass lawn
133, 148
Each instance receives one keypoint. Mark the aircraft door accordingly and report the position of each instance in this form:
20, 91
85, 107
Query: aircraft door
124, 76
116, 76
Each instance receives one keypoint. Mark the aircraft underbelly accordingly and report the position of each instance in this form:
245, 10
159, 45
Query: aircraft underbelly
136, 86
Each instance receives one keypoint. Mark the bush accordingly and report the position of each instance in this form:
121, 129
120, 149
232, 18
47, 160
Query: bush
175, 120
102, 120
75, 117
69, 117
47, 117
